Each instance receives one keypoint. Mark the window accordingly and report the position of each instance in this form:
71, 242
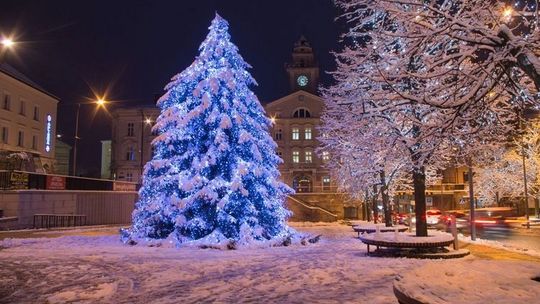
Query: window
326, 183
308, 157
295, 157
278, 135
34, 142
5, 132
130, 129
130, 154
302, 113
7, 102
36, 113
295, 133
325, 156
279, 153
307, 133
22, 108
129, 177
20, 140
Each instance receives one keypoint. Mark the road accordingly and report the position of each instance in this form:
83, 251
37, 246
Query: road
517, 237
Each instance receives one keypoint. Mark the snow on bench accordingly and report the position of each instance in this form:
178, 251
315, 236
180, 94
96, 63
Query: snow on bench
406, 240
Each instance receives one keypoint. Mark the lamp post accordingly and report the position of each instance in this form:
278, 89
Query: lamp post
100, 103
144, 121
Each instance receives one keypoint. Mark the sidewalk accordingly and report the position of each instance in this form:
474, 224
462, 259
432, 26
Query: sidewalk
58, 232
490, 253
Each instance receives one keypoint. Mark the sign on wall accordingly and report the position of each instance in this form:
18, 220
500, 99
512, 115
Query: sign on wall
18, 180
56, 182
48, 135
123, 186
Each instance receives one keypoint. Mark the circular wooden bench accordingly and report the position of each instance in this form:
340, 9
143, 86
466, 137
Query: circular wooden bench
397, 244
370, 229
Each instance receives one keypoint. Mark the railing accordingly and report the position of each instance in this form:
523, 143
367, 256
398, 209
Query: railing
312, 207
58, 220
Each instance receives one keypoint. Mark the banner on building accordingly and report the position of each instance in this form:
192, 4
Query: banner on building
124, 186
56, 182
18, 180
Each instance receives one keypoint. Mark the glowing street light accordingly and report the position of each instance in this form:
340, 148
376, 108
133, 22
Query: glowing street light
8, 42
148, 121
101, 102
507, 13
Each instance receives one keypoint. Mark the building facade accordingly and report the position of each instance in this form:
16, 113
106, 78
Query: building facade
295, 120
131, 142
27, 123
62, 156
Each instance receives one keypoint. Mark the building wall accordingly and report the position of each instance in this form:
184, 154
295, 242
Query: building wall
294, 169
62, 157
130, 129
17, 103
100, 207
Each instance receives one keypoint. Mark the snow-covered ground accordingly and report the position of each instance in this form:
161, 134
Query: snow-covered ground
100, 269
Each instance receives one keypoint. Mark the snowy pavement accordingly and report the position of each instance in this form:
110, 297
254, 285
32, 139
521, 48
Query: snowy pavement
100, 269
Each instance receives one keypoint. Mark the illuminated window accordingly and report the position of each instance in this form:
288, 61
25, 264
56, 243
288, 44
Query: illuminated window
296, 157
326, 183
130, 129
325, 156
308, 157
129, 177
307, 133
295, 134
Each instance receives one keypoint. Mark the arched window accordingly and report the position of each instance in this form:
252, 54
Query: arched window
302, 113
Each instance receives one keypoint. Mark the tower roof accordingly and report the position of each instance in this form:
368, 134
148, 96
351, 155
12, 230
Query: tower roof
302, 45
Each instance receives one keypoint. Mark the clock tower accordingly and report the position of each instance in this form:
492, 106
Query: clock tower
303, 70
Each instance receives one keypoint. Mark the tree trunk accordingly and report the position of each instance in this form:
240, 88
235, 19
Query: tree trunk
527, 61
385, 201
497, 198
374, 205
419, 182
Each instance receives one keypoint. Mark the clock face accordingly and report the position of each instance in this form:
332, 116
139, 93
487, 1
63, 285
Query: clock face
302, 80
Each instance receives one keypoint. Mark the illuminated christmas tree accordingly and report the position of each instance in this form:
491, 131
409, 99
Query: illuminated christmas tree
213, 177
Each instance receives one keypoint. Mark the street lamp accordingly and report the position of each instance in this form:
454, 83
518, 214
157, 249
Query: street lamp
100, 102
144, 121
8, 42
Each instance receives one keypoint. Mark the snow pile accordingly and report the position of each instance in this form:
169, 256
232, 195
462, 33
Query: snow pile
472, 281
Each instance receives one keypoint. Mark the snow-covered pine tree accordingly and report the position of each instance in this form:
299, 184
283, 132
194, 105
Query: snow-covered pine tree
213, 176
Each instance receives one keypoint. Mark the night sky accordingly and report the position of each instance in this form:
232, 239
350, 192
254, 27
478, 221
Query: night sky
129, 49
